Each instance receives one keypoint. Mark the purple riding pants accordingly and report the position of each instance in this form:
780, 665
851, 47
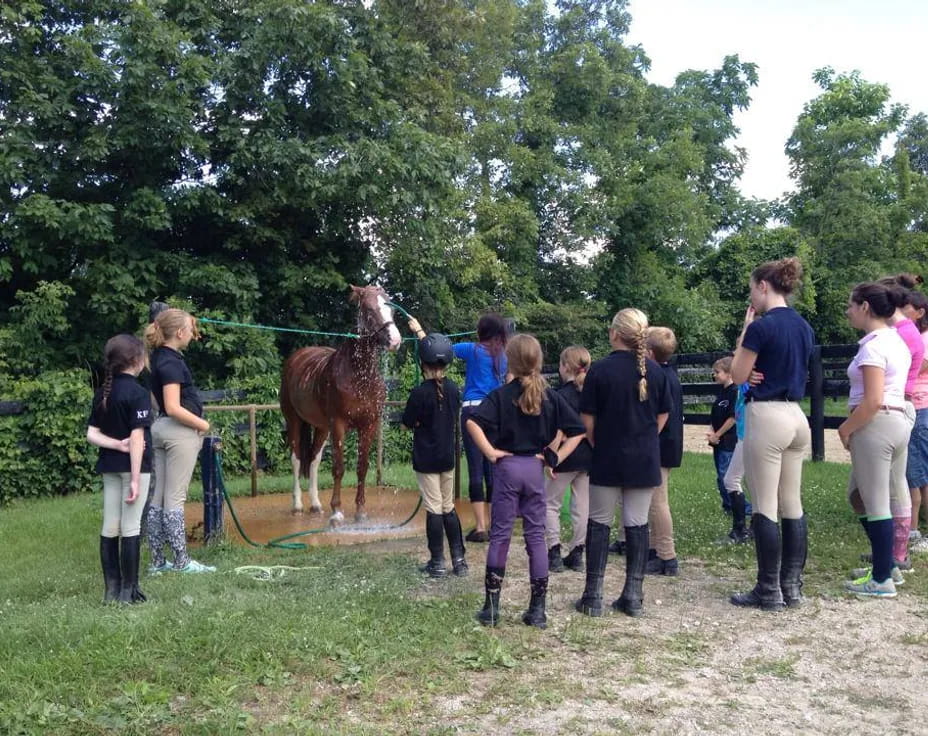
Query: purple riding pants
519, 490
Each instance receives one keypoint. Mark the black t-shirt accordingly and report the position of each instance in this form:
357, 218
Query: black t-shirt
783, 342
626, 449
671, 437
128, 407
582, 457
507, 428
433, 425
722, 409
168, 366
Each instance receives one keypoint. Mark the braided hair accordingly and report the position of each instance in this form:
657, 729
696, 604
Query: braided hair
435, 372
120, 353
631, 326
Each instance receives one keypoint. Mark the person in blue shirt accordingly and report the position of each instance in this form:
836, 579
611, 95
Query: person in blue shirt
485, 370
777, 435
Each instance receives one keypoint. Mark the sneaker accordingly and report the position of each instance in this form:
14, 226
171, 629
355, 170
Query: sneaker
459, 567
617, 547
434, 569
867, 572
194, 566
736, 537
870, 588
904, 565
158, 569
475, 536
914, 536
555, 561
920, 547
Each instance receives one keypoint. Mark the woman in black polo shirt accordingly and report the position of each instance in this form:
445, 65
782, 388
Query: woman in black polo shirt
177, 435
777, 435
119, 425
624, 406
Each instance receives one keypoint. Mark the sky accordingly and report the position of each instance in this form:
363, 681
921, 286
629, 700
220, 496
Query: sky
886, 40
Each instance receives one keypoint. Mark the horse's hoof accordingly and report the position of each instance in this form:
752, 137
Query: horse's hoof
361, 516
315, 510
296, 512
337, 519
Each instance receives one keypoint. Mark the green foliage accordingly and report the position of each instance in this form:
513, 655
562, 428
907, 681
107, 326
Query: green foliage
43, 452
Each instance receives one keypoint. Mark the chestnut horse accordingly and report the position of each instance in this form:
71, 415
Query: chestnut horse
327, 391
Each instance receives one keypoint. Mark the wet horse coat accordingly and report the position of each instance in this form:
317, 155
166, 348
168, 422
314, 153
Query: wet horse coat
329, 391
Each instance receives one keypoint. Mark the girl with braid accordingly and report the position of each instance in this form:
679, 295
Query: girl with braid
624, 406
518, 428
119, 425
431, 413
177, 434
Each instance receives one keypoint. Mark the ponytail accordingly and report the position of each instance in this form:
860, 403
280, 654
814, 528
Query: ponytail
533, 393
641, 351
107, 385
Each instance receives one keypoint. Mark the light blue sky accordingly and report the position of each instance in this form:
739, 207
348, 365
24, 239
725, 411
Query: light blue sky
788, 39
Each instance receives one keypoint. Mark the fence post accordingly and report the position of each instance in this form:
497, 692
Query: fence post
253, 431
380, 451
212, 492
817, 404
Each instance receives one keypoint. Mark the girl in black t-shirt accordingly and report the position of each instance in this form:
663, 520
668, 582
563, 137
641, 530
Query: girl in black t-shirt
624, 406
514, 426
177, 436
118, 425
432, 413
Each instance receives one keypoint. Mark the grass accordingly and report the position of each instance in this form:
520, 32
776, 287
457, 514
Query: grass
356, 642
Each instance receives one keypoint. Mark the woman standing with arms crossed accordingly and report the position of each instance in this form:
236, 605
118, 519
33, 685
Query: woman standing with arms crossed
177, 436
777, 434
484, 370
624, 406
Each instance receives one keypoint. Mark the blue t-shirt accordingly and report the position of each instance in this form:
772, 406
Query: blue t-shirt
482, 372
783, 343
739, 409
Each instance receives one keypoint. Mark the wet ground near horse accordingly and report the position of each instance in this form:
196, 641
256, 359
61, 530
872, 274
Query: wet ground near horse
267, 517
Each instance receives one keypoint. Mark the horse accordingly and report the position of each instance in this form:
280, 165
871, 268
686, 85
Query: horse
329, 391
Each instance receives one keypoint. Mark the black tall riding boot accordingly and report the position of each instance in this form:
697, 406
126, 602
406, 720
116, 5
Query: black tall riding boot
493, 584
129, 562
793, 560
435, 535
109, 561
535, 615
636, 560
455, 542
766, 594
597, 551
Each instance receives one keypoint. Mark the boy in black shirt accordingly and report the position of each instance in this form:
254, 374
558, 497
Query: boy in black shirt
723, 436
432, 412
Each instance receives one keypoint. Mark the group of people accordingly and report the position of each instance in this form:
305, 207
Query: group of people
612, 432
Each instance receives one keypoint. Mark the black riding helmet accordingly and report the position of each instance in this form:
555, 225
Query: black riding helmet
435, 349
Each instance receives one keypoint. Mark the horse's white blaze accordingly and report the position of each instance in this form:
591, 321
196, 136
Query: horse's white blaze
386, 313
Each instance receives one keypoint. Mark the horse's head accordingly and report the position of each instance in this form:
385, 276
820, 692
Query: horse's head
375, 316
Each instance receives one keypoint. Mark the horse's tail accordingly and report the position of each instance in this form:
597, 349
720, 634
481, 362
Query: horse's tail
306, 448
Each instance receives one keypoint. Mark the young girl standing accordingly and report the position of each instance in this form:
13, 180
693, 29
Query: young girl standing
177, 435
119, 425
624, 406
777, 434
877, 430
431, 412
573, 472
484, 371
917, 468
512, 428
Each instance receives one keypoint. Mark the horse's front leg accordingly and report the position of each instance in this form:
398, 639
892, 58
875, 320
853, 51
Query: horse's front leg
297, 493
365, 438
338, 471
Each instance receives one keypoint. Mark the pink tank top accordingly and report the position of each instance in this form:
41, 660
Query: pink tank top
913, 340
920, 390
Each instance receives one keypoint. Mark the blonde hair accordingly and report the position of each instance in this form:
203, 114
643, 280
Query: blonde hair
436, 374
631, 327
576, 360
167, 324
662, 343
723, 365
524, 355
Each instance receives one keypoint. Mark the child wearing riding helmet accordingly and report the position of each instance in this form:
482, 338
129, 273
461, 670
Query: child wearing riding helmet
431, 413
515, 427
119, 425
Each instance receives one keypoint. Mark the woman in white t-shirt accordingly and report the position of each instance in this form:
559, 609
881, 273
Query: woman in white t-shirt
877, 430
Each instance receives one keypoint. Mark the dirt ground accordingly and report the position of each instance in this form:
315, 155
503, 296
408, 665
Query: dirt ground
692, 663
694, 440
